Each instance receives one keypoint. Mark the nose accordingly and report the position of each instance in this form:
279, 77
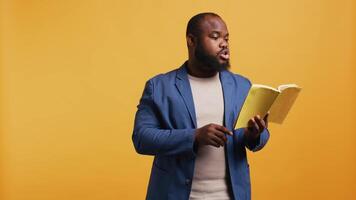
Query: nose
224, 44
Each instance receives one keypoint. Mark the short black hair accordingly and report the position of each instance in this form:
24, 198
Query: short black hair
194, 22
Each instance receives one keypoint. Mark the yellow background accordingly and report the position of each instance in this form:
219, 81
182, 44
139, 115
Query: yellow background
72, 73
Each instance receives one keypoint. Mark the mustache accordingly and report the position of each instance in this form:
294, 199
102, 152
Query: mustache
224, 51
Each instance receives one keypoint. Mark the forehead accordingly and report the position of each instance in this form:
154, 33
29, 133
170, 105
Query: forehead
213, 24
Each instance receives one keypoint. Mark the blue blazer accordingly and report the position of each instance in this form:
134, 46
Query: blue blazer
164, 127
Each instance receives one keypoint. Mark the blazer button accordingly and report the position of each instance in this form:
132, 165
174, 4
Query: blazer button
187, 181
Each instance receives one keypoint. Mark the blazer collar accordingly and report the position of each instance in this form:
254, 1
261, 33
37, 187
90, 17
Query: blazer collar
226, 79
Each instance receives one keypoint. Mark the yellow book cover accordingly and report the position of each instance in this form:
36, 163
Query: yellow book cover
262, 98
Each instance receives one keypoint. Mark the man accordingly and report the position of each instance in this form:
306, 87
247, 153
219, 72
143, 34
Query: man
185, 119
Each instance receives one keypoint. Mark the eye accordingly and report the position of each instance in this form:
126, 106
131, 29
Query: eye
215, 37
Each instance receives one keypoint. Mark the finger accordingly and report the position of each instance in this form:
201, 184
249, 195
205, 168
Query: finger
260, 123
214, 143
218, 140
220, 134
252, 125
224, 129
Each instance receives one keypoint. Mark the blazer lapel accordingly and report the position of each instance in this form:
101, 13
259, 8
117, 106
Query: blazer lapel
227, 87
183, 86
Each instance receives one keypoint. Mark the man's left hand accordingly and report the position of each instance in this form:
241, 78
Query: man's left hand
255, 127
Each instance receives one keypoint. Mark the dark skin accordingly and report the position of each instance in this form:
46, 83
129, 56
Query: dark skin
213, 39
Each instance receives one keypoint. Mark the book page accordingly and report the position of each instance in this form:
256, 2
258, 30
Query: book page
283, 103
282, 87
258, 102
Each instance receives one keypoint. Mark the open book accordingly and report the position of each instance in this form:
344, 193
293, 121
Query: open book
262, 99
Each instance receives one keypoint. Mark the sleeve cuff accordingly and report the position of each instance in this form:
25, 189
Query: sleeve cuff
260, 142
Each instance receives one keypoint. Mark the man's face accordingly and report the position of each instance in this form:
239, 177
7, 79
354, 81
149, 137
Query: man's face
212, 48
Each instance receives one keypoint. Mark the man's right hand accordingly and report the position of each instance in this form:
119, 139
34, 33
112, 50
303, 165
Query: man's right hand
211, 134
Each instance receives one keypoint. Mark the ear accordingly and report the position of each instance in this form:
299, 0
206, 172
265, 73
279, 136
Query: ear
191, 40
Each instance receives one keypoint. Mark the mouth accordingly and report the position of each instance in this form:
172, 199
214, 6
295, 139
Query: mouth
224, 54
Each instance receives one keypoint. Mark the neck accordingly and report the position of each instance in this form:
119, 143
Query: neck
195, 68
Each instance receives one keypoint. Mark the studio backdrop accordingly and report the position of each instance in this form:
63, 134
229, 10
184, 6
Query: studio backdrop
72, 74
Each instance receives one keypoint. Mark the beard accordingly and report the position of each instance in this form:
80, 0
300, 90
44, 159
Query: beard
210, 63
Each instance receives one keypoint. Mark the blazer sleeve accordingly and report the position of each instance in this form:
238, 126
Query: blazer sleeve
148, 137
259, 143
